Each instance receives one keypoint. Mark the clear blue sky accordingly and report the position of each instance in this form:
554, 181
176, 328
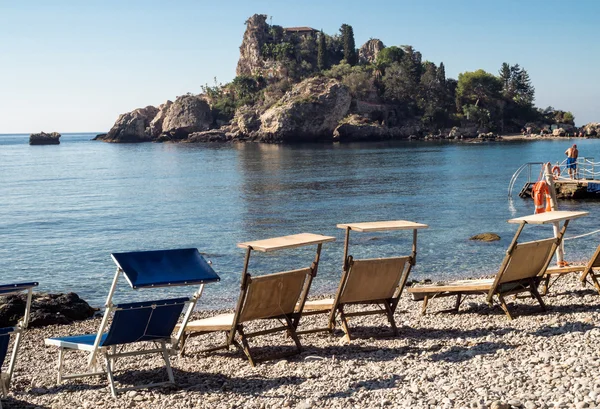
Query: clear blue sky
71, 66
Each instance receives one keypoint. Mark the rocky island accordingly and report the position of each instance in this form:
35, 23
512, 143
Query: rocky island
298, 84
44, 138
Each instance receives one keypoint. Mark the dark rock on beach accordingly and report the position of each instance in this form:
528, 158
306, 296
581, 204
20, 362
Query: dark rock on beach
46, 309
44, 138
486, 237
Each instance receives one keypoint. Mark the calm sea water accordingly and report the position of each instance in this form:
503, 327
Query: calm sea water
65, 208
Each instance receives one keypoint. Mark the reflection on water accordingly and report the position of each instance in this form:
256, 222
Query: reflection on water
65, 208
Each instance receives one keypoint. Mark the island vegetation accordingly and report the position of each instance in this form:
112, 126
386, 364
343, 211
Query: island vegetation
299, 83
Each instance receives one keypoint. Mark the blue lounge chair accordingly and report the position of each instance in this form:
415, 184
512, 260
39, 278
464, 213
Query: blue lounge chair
17, 332
141, 322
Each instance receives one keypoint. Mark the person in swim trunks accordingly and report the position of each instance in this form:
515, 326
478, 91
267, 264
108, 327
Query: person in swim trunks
572, 154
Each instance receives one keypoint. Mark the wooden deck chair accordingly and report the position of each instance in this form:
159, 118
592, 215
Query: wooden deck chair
589, 273
141, 323
16, 332
376, 282
266, 297
520, 271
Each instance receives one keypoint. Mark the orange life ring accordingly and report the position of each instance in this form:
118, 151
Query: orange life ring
541, 197
556, 172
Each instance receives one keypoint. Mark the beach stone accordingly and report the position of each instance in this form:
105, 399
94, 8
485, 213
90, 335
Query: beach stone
486, 237
307, 404
44, 138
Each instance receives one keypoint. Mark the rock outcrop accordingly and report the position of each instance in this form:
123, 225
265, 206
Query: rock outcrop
44, 138
367, 54
171, 121
357, 128
213, 135
559, 132
132, 126
591, 129
247, 120
156, 125
188, 114
310, 111
255, 36
46, 309
465, 131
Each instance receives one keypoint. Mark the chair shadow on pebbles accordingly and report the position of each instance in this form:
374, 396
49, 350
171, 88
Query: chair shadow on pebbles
373, 384
186, 381
358, 352
580, 292
453, 333
11, 402
484, 310
421, 333
564, 328
462, 354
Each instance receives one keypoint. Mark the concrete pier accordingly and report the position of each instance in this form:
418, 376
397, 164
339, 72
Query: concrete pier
570, 189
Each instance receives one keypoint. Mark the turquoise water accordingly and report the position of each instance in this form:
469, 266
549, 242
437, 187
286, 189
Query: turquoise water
65, 208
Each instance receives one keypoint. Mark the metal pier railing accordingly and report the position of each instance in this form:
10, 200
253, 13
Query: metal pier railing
586, 170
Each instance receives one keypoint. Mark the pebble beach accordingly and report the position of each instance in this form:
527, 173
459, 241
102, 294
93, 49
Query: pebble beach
476, 358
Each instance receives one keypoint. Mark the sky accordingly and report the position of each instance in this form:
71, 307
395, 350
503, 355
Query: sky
74, 66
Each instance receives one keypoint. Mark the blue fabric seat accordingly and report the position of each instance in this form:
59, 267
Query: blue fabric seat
133, 322
16, 331
4, 340
145, 321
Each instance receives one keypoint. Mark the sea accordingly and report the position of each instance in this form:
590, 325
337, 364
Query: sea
65, 208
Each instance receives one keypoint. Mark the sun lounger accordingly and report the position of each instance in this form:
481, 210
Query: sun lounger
140, 322
520, 271
266, 297
589, 271
376, 282
16, 332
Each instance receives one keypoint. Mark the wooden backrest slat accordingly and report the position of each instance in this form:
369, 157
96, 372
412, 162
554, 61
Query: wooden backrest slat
527, 260
595, 260
273, 295
373, 279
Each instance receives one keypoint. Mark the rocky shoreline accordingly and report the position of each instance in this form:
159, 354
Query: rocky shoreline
473, 359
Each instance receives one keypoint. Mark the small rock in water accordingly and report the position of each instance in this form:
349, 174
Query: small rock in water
486, 237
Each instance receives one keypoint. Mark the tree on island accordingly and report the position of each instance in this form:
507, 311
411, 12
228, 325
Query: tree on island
322, 52
516, 84
349, 46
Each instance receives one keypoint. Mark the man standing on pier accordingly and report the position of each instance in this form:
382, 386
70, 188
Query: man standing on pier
572, 154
